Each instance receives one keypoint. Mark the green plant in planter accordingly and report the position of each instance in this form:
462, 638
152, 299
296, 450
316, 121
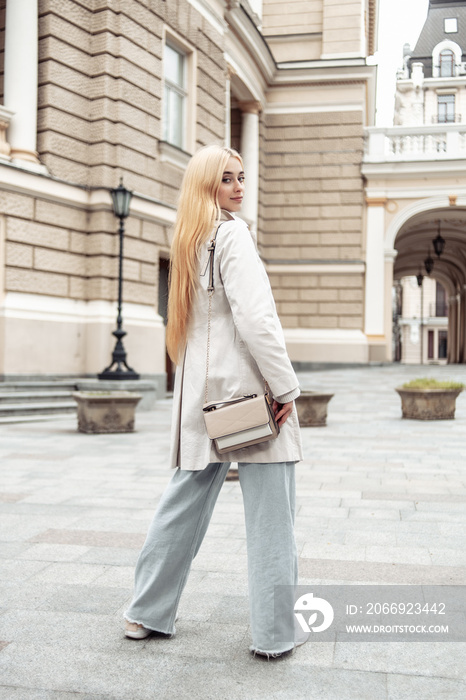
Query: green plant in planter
426, 384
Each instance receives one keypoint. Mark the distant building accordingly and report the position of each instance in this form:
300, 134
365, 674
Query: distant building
422, 323
431, 87
416, 193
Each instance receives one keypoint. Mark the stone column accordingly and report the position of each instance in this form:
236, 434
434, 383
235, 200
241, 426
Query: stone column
458, 327
375, 307
462, 319
389, 257
228, 110
250, 153
21, 78
452, 329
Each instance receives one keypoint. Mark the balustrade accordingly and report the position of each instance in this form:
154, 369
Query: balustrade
400, 143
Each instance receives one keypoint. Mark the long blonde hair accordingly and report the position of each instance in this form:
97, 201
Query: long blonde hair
198, 212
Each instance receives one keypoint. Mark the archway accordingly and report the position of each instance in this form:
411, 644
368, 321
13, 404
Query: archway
414, 243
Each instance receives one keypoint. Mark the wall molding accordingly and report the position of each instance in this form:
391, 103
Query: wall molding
22, 181
39, 307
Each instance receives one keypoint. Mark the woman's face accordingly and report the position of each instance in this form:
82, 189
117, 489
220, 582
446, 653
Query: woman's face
230, 193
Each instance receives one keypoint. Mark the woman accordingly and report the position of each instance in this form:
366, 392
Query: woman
246, 345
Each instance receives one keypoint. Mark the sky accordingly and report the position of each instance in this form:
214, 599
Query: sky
400, 23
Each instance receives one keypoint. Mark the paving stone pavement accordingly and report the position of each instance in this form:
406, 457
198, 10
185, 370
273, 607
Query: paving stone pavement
381, 500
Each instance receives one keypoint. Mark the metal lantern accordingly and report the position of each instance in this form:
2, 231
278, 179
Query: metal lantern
121, 198
429, 264
439, 243
419, 278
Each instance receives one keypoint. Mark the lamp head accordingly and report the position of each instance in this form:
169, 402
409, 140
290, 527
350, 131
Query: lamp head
439, 243
429, 264
121, 198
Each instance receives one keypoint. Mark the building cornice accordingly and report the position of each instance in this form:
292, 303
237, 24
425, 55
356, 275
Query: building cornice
408, 84
243, 29
402, 191
324, 73
414, 169
206, 10
373, 20
324, 64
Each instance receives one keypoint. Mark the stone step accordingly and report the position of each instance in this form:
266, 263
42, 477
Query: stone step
32, 397
34, 417
38, 385
39, 408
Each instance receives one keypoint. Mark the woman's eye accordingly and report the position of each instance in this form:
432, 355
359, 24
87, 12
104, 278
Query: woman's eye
241, 179
226, 179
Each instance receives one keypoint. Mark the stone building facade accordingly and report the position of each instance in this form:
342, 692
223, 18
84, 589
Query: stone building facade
95, 90
415, 191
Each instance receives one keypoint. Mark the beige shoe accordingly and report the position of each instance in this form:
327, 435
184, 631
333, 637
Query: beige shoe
135, 631
280, 654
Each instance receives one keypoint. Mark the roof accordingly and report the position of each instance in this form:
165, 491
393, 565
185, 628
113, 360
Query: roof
433, 31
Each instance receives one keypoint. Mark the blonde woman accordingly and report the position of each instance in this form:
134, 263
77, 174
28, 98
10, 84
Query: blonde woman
246, 345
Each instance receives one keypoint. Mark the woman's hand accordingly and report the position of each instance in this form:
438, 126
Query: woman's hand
282, 411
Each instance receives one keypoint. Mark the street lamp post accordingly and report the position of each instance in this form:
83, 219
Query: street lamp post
119, 368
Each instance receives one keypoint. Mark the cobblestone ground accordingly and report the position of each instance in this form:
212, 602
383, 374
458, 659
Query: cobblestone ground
381, 500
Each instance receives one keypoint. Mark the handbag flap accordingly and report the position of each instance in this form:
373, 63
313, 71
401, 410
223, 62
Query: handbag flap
232, 418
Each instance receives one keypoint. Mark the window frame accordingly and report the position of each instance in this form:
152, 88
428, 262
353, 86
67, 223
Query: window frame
442, 100
171, 151
179, 90
446, 45
442, 61
430, 344
442, 344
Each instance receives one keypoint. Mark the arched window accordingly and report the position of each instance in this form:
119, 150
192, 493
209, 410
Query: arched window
447, 64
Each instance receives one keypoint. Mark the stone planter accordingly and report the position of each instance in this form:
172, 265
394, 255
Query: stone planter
312, 408
428, 404
106, 412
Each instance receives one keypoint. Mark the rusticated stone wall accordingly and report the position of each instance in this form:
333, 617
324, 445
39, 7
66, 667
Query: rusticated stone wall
298, 18
100, 90
100, 78
311, 212
64, 251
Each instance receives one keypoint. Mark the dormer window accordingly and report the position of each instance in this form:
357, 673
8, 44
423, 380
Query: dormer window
446, 59
447, 64
450, 25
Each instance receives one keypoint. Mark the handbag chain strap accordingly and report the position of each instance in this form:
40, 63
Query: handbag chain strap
210, 292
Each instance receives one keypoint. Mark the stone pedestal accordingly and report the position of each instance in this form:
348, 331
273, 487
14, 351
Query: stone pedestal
312, 408
106, 412
147, 389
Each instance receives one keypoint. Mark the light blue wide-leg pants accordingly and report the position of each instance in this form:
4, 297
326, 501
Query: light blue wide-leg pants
177, 531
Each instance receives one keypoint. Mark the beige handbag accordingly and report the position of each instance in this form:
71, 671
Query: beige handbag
237, 422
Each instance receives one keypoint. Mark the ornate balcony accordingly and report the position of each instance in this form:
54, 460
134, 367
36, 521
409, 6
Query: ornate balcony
415, 143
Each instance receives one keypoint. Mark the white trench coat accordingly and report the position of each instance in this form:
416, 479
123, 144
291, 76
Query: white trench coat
246, 345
